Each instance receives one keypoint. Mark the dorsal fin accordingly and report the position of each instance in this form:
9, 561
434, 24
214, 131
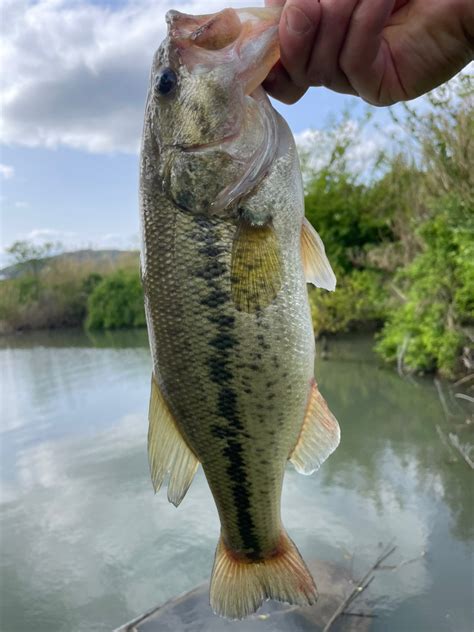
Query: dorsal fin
319, 435
316, 265
168, 454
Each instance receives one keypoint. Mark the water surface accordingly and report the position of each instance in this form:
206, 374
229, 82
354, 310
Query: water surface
86, 546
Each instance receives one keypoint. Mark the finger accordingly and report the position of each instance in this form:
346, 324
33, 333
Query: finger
323, 68
280, 86
298, 27
274, 3
399, 4
365, 55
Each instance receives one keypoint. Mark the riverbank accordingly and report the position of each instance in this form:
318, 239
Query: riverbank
95, 292
400, 240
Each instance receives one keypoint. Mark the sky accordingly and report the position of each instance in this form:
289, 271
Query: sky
73, 83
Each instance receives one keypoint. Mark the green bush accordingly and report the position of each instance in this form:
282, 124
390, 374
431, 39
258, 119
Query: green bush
54, 292
116, 302
429, 326
342, 213
360, 301
429, 329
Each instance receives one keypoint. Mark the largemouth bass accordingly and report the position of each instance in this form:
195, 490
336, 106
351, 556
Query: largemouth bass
226, 257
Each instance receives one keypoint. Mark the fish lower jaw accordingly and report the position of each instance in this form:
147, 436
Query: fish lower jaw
213, 144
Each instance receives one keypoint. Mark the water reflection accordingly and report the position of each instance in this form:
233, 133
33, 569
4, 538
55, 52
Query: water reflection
86, 546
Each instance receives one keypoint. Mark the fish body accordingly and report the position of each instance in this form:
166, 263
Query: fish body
225, 259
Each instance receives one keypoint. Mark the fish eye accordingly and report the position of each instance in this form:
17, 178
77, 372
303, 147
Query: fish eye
166, 81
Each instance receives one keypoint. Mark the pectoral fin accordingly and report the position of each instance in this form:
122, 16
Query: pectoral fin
319, 435
256, 268
316, 265
168, 454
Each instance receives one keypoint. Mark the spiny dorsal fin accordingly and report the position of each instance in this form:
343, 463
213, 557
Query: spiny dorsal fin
256, 268
319, 435
168, 454
316, 265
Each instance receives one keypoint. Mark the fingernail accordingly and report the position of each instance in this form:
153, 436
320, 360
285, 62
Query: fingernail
297, 21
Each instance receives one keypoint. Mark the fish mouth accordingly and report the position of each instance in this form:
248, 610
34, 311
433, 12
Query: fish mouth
215, 144
245, 40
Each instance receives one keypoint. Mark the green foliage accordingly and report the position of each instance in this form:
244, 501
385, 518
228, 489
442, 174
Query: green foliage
338, 207
24, 251
116, 302
429, 326
28, 289
90, 282
429, 329
402, 244
28, 255
57, 294
360, 300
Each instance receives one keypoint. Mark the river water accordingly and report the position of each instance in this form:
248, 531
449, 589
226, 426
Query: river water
86, 545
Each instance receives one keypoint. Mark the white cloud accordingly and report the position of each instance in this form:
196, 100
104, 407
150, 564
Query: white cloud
365, 143
75, 73
6, 171
74, 241
20, 204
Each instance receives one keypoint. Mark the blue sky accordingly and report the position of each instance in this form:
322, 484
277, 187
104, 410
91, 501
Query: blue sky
83, 198
73, 88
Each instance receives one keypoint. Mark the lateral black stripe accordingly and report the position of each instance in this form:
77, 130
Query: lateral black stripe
223, 347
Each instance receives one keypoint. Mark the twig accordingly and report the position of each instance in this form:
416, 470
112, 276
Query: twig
463, 380
466, 397
387, 567
461, 449
445, 442
398, 292
400, 356
442, 399
360, 587
366, 615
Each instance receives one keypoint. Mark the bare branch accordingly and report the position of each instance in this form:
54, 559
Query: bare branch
466, 397
463, 450
360, 586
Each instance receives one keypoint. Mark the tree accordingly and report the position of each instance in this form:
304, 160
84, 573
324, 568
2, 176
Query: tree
27, 255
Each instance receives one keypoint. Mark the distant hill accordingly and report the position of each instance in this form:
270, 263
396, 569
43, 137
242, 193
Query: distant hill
112, 258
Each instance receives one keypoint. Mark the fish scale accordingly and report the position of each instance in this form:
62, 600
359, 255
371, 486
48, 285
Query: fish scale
224, 358
227, 307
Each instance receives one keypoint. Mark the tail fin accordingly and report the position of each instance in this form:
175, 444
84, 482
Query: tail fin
238, 587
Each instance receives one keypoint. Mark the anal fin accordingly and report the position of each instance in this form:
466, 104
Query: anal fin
168, 454
319, 435
316, 265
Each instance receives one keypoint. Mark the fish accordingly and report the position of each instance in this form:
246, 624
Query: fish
226, 257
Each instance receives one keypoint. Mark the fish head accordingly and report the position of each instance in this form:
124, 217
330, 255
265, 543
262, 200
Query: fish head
205, 109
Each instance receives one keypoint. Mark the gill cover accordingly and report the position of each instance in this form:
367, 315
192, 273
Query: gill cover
213, 124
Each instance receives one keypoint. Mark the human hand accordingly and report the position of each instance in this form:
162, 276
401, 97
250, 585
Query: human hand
384, 51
